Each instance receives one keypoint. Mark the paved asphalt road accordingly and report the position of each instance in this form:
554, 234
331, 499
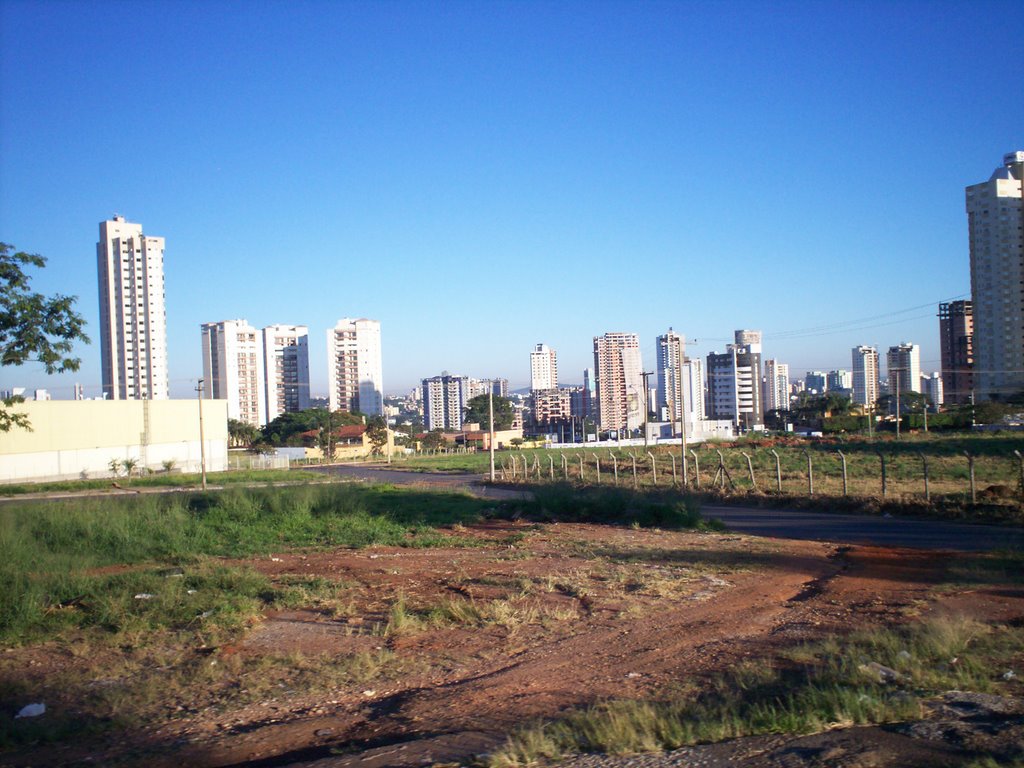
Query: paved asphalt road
786, 524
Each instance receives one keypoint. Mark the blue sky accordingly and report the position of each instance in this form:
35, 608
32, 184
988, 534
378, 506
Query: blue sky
481, 177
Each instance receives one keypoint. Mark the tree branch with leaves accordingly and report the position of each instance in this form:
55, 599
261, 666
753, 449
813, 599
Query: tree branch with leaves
33, 327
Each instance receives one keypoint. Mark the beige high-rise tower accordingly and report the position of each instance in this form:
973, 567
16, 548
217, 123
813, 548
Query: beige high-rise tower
995, 217
133, 321
620, 395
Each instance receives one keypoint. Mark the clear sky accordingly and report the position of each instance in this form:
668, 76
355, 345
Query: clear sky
484, 176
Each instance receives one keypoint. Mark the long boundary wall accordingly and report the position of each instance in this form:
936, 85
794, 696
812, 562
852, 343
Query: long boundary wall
79, 438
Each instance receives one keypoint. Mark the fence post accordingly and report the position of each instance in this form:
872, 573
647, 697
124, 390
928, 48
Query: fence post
515, 467
582, 475
778, 471
721, 470
881, 457
673, 457
927, 491
842, 458
654, 467
565, 468
551, 467
750, 469
696, 470
615, 467
633, 457
1020, 459
810, 474
970, 465
597, 463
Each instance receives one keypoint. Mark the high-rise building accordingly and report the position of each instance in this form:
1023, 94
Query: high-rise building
839, 380
620, 387
589, 403
903, 365
550, 405
354, 369
286, 369
499, 387
865, 375
931, 386
543, 368
133, 321
671, 350
776, 386
233, 369
956, 339
734, 382
995, 218
444, 401
816, 382
693, 392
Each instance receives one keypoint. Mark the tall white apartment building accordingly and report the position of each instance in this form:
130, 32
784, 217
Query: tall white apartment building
543, 368
233, 369
693, 392
444, 401
620, 387
776, 386
133, 321
995, 218
671, 352
865, 375
285, 369
903, 365
354, 369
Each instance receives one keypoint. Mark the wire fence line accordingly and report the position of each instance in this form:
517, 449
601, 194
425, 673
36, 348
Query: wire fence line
789, 471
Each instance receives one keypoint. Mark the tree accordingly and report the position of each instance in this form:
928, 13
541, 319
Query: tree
287, 428
33, 327
478, 411
377, 432
241, 434
434, 439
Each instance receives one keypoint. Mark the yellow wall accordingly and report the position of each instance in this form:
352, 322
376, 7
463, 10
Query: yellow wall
78, 438
72, 424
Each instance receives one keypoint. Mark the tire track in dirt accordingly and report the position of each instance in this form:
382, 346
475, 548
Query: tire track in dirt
473, 710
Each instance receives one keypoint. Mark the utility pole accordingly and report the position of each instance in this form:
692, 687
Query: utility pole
647, 405
490, 409
202, 438
682, 421
896, 371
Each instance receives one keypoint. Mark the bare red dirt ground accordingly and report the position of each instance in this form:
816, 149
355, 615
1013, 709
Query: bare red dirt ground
566, 615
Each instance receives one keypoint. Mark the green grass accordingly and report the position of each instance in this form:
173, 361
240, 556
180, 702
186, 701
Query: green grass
619, 506
814, 688
49, 551
169, 480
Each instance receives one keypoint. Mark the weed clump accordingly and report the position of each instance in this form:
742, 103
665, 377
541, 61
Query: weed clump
809, 689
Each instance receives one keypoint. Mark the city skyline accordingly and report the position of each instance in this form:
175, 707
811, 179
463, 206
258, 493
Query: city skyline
559, 149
